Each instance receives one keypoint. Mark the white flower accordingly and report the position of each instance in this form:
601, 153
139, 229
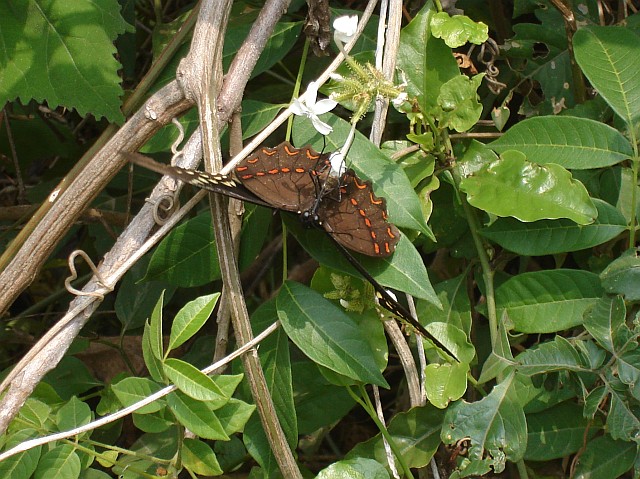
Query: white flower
345, 28
311, 109
336, 77
338, 166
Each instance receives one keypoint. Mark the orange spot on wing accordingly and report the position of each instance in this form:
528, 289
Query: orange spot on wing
374, 200
289, 152
275, 171
390, 232
376, 247
360, 186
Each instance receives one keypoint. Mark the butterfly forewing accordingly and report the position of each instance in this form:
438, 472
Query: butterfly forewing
286, 177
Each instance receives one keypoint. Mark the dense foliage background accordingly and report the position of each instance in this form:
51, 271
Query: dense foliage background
511, 168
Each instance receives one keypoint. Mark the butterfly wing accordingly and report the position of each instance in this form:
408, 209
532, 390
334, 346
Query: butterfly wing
358, 220
286, 177
222, 184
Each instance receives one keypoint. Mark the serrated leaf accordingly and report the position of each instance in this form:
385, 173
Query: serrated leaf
513, 186
326, 334
574, 143
49, 55
458, 29
131, 390
545, 237
190, 319
495, 425
187, 256
191, 381
608, 57
61, 462
196, 416
547, 301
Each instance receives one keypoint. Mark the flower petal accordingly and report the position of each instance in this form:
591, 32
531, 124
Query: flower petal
297, 108
323, 106
321, 126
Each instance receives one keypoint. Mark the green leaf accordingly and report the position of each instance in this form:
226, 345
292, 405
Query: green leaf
190, 319
358, 468
50, 56
256, 115
623, 420
196, 416
416, 432
275, 360
546, 237
191, 381
22, 465
404, 270
425, 60
234, 415
445, 383
608, 58
131, 390
574, 143
155, 330
458, 99
156, 422
151, 361
547, 301
620, 276
61, 462
556, 355
135, 299
199, 458
458, 30
280, 42
556, 432
629, 371
605, 321
495, 426
513, 186
74, 413
326, 334
314, 393
187, 256
604, 458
